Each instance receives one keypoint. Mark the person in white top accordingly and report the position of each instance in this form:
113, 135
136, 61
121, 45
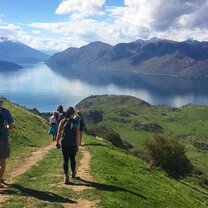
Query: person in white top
54, 125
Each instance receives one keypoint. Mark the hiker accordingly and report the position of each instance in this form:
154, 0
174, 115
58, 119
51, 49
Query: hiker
60, 111
6, 122
68, 135
53, 125
81, 126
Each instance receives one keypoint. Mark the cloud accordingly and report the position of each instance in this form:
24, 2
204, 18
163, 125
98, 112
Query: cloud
160, 15
37, 32
84, 8
9, 30
171, 13
137, 19
93, 20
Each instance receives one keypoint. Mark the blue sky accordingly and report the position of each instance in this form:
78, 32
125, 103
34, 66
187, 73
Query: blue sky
59, 24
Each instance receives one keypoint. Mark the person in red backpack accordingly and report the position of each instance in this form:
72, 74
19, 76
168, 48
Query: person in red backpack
68, 139
6, 122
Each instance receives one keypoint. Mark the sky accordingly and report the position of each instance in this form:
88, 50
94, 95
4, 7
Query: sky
59, 24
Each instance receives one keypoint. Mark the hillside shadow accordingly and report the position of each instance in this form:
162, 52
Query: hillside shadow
105, 187
40, 195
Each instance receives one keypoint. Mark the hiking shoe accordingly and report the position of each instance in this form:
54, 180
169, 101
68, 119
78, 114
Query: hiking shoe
74, 174
66, 179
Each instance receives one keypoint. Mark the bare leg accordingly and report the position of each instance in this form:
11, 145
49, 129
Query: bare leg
2, 170
80, 139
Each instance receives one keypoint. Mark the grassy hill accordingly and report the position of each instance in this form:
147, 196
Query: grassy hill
136, 120
120, 180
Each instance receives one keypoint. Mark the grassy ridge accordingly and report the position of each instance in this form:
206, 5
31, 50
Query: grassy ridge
124, 114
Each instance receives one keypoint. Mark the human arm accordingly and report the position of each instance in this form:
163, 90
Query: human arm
59, 134
8, 119
77, 137
10, 126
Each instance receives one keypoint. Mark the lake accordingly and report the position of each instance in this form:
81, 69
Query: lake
38, 86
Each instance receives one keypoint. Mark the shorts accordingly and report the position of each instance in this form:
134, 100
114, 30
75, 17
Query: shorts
52, 130
4, 149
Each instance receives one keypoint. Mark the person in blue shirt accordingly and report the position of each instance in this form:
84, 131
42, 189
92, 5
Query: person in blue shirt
6, 122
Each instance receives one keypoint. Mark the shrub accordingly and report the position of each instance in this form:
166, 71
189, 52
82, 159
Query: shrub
151, 127
115, 139
93, 116
169, 155
140, 154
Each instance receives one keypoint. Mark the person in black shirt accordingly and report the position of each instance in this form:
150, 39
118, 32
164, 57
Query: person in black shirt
68, 139
6, 122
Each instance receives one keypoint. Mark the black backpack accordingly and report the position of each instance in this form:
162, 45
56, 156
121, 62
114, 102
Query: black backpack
69, 133
2, 124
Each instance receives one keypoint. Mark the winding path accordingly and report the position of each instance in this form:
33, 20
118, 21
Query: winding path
83, 172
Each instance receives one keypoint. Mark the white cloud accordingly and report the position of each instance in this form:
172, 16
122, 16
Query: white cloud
9, 30
83, 7
36, 32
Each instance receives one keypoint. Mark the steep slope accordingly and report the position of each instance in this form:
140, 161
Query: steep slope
123, 180
8, 66
153, 56
17, 52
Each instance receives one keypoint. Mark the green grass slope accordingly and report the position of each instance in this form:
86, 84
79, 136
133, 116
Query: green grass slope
136, 120
126, 181
120, 180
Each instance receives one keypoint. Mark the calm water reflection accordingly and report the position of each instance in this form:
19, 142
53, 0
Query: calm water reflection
39, 86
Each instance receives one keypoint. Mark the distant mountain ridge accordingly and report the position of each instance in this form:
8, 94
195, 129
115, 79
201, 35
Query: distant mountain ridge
155, 56
17, 52
8, 66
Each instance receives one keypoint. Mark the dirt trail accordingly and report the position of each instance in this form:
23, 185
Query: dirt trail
29, 162
83, 172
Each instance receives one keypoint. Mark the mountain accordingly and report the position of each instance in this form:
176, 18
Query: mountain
8, 66
155, 56
17, 52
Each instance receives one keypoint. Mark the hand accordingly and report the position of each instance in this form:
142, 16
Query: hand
77, 148
58, 146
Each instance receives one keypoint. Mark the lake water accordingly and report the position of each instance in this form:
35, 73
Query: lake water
38, 86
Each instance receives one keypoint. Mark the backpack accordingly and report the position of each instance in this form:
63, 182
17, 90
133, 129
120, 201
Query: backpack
69, 133
2, 124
